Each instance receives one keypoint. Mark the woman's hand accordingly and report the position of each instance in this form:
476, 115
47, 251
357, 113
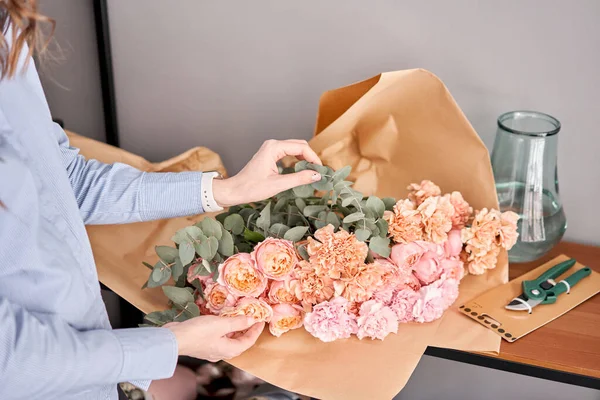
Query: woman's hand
260, 178
213, 338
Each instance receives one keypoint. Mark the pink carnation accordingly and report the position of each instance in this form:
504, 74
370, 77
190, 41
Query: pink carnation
403, 303
449, 289
330, 320
431, 304
376, 320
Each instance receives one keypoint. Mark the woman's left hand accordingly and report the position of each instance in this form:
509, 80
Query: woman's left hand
260, 178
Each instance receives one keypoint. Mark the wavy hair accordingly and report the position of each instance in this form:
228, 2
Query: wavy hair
27, 29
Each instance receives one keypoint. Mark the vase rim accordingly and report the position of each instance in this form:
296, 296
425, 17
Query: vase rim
524, 114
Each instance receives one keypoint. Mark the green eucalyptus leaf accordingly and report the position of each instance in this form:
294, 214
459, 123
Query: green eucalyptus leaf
159, 276
264, 221
362, 234
341, 186
369, 223
301, 166
245, 213
389, 202
380, 246
166, 253
295, 234
253, 236
210, 227
324, 184
193, 309
341, 174
193, 231
147, 265
186, 252
303, 252
300, 204
177, 269
234, 223
350, 200
226, 244
321, 220
245, 247
208, 248
376, 205
278, 230
221, 217
160, 317
280, 205
178, 295
325, 199
304, 191
311, 211
383, 227
333, 219
180, 236
357, 216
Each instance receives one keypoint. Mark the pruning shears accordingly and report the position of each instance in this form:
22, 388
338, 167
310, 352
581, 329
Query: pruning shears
544, 289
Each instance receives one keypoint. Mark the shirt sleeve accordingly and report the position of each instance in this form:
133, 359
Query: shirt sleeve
42, 355
118, 193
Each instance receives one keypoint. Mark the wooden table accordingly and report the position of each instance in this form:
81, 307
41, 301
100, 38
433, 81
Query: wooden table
565, 350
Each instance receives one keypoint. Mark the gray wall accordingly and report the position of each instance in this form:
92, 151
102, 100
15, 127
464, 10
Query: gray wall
71, 77
228, 75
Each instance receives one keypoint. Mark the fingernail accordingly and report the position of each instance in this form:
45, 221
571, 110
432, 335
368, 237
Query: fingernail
316, 177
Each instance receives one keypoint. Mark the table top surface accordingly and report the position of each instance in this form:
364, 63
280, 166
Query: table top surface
570, 343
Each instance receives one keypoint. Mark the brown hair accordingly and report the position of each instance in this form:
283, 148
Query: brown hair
27, 24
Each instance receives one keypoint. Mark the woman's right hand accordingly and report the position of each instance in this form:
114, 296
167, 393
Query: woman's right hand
213, 338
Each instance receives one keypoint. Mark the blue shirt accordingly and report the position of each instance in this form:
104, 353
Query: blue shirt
55, 338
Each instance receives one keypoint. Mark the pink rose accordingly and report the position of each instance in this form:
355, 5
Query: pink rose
241, 277
217, 297
192, 275
275, 258
428, 268
283, 292
251, 307
201, 303
285, 318
406, 255
376, 320
453, 268
430, 305
403, 303
331, 320
453, 246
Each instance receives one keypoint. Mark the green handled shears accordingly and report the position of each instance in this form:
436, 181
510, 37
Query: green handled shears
544, 289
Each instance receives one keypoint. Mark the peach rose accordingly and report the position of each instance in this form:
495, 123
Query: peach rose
241, 277
419, 192
285, 318
275, 258
462, 210
201, 303
436, 213
405, 223
250, 307
217, 297
508, 229
332, 252
283, 292
313, 287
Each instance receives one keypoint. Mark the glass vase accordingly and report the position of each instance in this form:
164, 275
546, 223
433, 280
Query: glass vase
524, 160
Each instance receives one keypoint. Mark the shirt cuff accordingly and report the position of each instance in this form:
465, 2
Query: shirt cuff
148, 354
170, 194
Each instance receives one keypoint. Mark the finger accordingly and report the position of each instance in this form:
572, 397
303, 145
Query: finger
299, 149
236, 324
288, 181
247, 340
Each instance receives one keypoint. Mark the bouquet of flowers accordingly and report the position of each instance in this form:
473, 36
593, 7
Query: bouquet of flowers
325, 258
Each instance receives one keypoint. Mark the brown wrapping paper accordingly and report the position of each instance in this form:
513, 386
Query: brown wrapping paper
393, 129
489, 311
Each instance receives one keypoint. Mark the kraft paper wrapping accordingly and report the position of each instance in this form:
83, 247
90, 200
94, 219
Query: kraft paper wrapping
393, 129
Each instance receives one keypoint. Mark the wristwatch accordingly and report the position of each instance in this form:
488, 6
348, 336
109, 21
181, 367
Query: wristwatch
208, 200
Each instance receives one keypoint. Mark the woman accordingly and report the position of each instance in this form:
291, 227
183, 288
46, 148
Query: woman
55, 338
